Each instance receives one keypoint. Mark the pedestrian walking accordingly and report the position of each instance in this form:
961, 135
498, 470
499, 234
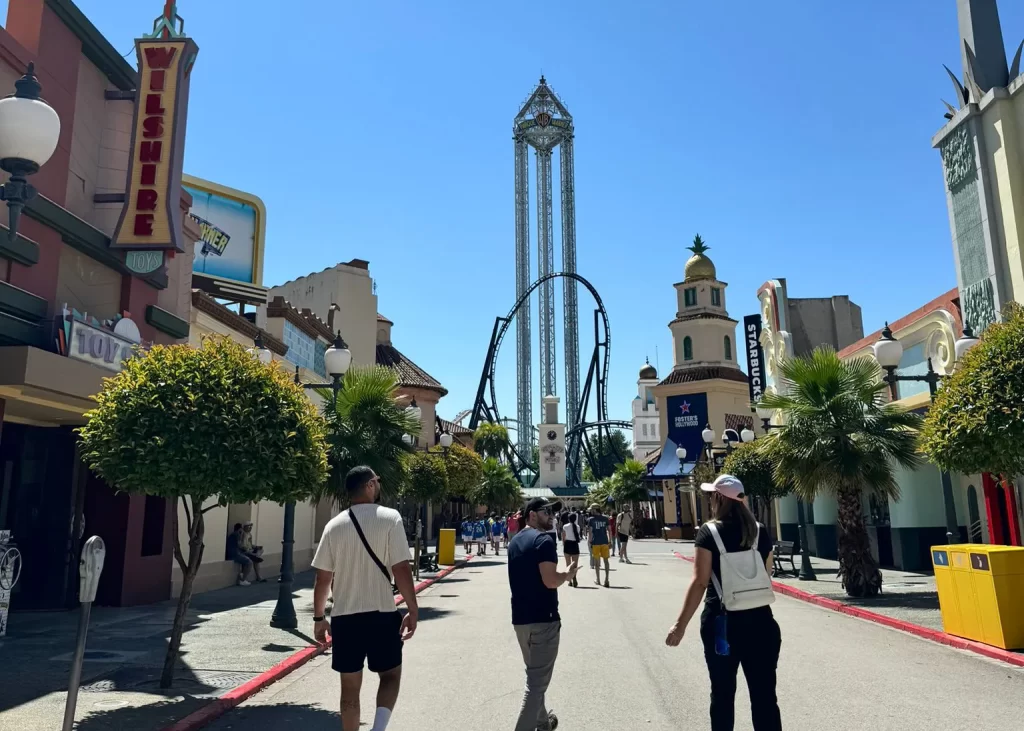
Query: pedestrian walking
467, 535
571, 546
352, 564
534, 578
599, 543
734, 554
514, 524
496, 531
480, 536
624, 524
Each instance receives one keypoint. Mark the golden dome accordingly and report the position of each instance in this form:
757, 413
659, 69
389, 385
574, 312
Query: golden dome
699, 266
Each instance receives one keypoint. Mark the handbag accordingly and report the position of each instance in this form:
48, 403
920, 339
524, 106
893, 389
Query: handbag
366, 545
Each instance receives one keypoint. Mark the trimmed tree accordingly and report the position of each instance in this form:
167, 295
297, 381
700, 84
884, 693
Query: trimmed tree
205, 427
610, 452
426, 478
755, 469
465, 471
976, 423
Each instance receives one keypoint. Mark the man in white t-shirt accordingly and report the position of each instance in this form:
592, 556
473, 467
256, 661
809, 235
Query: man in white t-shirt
365, 624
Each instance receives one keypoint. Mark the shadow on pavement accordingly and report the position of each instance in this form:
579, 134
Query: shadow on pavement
486, 562
906, 600
151, 716
428, 613
279, 716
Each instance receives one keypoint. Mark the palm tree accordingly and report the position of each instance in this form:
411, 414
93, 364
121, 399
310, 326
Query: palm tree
490, 440
499, 489
840, 436
366, 427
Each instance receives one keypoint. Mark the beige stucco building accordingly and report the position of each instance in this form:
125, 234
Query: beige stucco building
705, 387
291, 335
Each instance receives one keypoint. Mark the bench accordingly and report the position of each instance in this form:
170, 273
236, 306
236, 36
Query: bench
783, 551
428, 562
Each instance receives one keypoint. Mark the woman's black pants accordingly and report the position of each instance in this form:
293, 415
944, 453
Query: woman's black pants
754, 644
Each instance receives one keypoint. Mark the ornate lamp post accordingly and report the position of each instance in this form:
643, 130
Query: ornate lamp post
337, 360
29, 131
888, 352
806, 569
681, 456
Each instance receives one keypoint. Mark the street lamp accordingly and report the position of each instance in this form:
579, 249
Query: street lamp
681, 456
806, 569
259, 351
29, 131
337, 359
889, 352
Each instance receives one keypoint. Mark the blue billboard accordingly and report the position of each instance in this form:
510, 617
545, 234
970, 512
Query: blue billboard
687, 417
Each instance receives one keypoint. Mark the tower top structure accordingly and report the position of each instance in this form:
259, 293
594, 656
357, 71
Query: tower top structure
699, 266
543, 119
981, 43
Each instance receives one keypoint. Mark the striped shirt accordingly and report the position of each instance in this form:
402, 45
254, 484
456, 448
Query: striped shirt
359, 586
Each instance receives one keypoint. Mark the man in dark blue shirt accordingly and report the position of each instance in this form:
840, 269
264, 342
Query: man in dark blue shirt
534, 578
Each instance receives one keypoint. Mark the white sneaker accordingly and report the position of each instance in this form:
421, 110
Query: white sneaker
244, 583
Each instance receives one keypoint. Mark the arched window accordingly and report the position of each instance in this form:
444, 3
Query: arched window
687, 348
728, 348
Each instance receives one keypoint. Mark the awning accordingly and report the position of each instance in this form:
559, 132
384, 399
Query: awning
669, 466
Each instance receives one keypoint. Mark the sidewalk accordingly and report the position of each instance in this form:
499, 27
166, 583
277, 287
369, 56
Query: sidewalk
228, 641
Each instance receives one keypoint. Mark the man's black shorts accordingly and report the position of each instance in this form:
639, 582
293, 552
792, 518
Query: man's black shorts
373, 637
623, 538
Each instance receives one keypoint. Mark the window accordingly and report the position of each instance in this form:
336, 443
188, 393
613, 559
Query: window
645, 430
654, 430
913, 363
716, 297
728, 348
687, 348
690, 296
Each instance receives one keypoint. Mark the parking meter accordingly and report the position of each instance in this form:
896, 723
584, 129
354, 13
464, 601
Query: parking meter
90, 566
89, 569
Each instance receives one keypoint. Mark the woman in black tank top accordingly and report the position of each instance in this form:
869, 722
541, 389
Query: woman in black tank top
749, 638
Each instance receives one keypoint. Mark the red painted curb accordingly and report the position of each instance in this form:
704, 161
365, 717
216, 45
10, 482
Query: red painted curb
994, 653
199, 718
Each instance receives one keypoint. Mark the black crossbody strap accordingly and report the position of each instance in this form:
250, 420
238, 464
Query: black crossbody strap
366, 544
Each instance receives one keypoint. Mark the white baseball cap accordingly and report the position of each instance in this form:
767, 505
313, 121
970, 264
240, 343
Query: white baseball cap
726, 486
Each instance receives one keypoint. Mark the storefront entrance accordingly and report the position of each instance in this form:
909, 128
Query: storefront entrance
1001, 508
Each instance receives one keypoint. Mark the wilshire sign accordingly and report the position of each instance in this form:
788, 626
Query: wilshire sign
151, 218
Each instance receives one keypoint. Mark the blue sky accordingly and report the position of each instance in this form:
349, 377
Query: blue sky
793, 136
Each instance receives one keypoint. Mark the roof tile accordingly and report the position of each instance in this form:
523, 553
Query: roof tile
409, 374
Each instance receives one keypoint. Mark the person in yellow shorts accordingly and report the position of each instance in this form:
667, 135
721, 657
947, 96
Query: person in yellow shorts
600, 546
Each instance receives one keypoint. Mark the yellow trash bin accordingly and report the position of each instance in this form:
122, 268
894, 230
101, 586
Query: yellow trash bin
446, 547
981, 591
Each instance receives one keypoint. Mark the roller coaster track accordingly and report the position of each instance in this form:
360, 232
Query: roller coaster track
484, 410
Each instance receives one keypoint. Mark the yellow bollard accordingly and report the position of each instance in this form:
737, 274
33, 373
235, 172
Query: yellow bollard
446, 547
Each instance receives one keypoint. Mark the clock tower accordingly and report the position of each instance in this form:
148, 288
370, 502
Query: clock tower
552, 446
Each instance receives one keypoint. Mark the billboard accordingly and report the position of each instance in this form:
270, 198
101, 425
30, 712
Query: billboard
232, 224
687, 417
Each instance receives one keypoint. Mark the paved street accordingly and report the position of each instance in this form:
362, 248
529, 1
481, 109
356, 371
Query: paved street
463, 669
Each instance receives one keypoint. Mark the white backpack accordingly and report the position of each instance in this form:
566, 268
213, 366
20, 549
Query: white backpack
745, 582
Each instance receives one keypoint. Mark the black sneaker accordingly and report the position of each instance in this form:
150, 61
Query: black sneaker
552, 723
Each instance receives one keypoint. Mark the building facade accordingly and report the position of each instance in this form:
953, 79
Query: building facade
71, 307
706, 387
646, 419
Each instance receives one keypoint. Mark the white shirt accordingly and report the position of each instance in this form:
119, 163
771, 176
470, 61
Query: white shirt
359, 585
624, 523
